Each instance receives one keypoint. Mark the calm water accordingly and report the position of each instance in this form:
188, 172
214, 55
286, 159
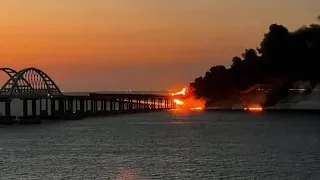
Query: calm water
165, 145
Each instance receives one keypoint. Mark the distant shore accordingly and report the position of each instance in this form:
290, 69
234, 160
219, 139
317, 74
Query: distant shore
265, 110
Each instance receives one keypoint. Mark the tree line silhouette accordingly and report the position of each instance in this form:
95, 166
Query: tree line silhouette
282, 59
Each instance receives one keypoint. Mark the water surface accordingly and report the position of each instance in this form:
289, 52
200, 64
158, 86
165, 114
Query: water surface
165, 145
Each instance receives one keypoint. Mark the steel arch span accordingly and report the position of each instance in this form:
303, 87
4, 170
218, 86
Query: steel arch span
10, 72
30, 82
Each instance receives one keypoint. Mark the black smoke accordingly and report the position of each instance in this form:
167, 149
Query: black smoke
282, 59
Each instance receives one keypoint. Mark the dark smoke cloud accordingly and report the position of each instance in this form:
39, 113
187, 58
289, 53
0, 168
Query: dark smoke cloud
284, 61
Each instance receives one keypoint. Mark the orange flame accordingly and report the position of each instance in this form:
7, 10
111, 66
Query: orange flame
182, 92
179, 102
188, 101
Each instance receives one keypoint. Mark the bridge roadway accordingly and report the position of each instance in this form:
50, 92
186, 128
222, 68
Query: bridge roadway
30, 96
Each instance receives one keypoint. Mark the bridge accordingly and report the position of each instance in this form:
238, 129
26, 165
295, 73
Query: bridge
38, 97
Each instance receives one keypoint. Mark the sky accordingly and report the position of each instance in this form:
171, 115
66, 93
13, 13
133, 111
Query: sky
94, 45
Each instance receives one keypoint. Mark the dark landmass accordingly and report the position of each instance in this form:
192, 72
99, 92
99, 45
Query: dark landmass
284, 60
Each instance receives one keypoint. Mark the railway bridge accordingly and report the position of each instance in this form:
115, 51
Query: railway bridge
30, 95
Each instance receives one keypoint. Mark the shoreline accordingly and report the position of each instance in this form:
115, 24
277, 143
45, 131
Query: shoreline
265, 110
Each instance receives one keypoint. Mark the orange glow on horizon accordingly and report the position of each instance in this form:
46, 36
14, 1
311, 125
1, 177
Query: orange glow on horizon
254, 108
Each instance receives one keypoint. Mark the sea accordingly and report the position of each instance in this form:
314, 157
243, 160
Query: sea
172, 144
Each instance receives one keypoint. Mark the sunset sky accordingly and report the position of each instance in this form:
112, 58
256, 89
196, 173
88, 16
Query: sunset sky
88, 45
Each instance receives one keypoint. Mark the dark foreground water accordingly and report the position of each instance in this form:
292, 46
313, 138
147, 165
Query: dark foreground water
165, 145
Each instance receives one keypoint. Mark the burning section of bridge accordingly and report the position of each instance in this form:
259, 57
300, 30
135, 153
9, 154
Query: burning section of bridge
185, 99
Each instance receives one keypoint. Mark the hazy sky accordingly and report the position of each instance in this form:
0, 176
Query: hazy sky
137, 44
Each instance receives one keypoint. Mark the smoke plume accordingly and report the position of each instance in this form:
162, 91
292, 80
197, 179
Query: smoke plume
285, 65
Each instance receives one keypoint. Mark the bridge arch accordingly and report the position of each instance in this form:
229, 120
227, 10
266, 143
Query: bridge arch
10, 72
30, 82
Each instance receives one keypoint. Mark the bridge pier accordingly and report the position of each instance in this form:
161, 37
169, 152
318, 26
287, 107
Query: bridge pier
120, 105
43, 107
8, 108
82, 108
53, 107
25, 107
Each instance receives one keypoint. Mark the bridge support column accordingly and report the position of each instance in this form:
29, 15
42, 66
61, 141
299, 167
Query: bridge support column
87, 105
111, 105
130, 105
114, 105
70, 105
105, 105
138, 104
127, 105
146, 104
156, 103
160, 103
76, 105
166, 103
43, 109
61, 107
153, 103
101, 105
82, 106
94, 105
91, 106
47, 106
135, 107
53, 107
34, 107
120, 104
8, 108
25, 107
40, 108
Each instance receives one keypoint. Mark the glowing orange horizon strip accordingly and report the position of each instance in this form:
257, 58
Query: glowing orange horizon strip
254, 109
197, 108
